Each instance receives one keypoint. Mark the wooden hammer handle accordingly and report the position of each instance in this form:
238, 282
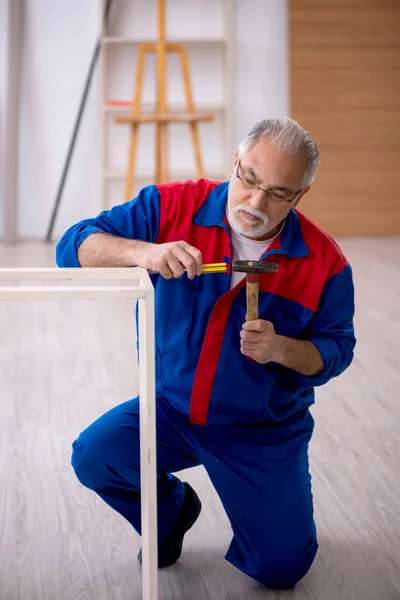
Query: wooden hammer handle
252, 296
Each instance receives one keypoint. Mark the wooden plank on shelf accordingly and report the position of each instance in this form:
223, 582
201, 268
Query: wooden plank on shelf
173, 106
186, 41
171, 117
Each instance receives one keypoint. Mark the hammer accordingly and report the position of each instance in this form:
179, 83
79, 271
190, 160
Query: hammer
252, 269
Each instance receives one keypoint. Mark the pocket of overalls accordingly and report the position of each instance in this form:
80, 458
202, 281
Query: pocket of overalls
180, 296
288, 322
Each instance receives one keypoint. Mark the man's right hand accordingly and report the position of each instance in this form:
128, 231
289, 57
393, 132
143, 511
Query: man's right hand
172, 259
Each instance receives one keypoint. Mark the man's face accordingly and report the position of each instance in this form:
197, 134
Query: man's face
265, 185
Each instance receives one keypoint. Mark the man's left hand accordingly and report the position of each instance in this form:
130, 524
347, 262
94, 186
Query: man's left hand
259, 341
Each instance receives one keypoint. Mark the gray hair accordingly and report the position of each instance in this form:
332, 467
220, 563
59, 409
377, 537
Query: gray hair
287, 134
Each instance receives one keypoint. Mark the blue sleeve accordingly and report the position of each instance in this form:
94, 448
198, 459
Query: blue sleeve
332, 330
138, 220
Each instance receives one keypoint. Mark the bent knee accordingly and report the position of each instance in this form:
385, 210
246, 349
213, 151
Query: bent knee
278, 574
101, 461
281, 572
84, 463
107, 453
91, 453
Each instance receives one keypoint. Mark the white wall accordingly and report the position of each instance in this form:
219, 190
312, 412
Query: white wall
262, 67
58, 41
57, 45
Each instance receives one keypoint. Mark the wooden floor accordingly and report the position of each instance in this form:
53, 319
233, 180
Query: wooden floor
59, 370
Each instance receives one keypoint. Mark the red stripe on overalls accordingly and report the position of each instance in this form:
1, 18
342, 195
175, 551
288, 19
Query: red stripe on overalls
209, 358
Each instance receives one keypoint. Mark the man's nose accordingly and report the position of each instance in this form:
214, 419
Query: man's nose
258, 199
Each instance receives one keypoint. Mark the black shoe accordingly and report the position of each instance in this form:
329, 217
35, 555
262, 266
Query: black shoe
169, 550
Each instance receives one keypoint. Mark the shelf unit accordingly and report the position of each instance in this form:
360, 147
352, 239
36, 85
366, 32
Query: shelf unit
134, 40
211, 64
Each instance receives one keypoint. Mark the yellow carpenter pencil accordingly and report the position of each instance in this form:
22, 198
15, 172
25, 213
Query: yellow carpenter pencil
214, 268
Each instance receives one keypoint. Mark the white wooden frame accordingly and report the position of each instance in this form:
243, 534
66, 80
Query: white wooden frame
130, 284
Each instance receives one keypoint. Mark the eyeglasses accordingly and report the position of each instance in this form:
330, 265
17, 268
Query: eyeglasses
273, 193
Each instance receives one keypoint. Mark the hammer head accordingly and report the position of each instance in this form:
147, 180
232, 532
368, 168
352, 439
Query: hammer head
254, 266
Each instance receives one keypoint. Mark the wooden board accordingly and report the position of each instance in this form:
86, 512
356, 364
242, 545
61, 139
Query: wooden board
377, 129
381, 57
345, 89
337, 27
347, 4
368, 222
350, 158
379, 189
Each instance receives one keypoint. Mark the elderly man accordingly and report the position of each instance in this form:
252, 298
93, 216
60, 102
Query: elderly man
233, 396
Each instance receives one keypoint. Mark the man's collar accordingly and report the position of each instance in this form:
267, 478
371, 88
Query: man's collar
291, 238
213, 212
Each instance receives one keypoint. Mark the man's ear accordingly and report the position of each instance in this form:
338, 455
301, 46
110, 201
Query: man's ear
301, 195
235, 162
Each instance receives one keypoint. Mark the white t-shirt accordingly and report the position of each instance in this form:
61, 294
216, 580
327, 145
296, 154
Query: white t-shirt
247, 249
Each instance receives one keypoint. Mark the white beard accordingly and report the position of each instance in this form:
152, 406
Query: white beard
249, 230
